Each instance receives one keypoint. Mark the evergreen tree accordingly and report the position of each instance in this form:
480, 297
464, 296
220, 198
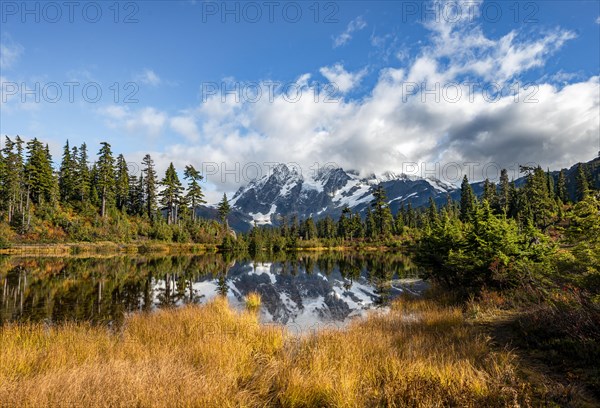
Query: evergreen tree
83, 175
12, 178
39, 176
171, 195
122, 183
105, 177
326, 228
537, 204
583, 186
194, 196
504, 196
150, 183
432, 213
411, 219
344, 224
309, 229
550, 184
67, 174
224, 209
467, 200
370, 226
490, 194
382, 216
294, 227
136, 200
399, 222
561, 187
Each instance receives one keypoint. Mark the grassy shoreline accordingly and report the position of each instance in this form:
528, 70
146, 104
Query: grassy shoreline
427, 351
212, 356
107, 247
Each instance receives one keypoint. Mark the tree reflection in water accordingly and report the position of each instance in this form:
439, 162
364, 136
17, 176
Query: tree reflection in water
102, 290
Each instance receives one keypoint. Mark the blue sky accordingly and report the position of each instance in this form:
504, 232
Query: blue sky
166, 53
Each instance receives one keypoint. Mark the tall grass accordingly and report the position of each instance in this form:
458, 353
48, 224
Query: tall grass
419, 354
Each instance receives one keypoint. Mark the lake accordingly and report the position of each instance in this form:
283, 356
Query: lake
301, 290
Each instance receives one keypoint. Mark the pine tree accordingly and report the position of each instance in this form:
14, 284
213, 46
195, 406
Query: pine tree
122, 183
105, 182
309, 229
561, 187
490, 194
194, 196
150, 183
171, 195
550, 184
83, 175
432, 214
67, 175
399, 222
358, 230
410, 215
370, 226
467, 200
581, 179
136, 195
344, 224
224, 209
382, 216
504, 197
537, 204
39, 176
12, 178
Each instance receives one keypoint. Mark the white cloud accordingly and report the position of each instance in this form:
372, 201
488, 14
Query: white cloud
387, 128
147, 121
355, 25
10, 52
343, 79
149, 77
186, 126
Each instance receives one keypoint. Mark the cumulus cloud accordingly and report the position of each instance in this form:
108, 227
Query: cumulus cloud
147, 121
353, 26
149, 77
398, 122
10, 52
186, 126
343, 79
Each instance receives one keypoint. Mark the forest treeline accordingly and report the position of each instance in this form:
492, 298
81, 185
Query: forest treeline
94, 201
494, 239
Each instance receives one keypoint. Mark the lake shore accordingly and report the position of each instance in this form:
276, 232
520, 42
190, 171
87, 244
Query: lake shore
109, 247
211, 355
105, 248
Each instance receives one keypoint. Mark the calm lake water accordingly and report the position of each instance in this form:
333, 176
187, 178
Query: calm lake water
299, 290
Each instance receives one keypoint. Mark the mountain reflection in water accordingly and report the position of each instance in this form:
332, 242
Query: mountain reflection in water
301, 290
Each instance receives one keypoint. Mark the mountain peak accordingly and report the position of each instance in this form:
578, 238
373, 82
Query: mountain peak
285, 191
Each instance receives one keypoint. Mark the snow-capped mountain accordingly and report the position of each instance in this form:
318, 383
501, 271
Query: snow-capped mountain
287, 192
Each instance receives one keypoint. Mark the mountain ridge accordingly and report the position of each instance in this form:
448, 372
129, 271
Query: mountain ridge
287, 192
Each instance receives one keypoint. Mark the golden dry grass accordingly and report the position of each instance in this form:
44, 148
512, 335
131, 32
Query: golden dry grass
419, 354
253, 301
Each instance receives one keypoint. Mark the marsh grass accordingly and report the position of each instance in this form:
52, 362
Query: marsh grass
253, 301
212, 356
